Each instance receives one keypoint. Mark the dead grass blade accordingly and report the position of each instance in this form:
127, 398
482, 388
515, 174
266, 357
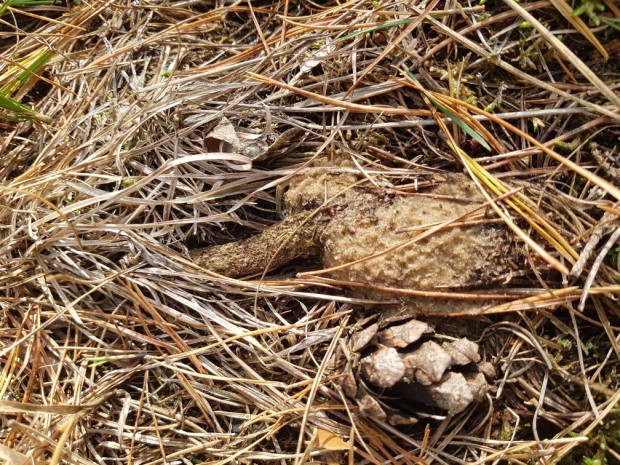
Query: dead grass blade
116, 346
592, 177
390, 47
585, 70
497, 60
8, 407
340, 104
566, 11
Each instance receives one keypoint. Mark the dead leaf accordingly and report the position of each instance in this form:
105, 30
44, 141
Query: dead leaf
330, 441
225, 137
223, 133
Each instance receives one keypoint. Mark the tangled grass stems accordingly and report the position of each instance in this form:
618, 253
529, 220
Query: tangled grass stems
108, 327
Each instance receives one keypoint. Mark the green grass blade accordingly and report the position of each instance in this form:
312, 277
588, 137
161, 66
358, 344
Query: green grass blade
20, 111
612, 22
461, 124
30, 67
13, 105
23, 3
454, 118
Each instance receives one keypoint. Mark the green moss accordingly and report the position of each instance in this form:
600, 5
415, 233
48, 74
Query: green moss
596, 450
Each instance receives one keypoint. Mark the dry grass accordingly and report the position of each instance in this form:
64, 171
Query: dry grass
115, 348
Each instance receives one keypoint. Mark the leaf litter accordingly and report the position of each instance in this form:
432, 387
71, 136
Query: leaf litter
160, 128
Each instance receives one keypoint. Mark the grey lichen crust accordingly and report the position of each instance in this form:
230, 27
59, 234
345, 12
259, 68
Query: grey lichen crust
343, 219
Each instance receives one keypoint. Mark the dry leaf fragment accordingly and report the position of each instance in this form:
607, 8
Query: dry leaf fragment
427, 364
330, 441
403, 335
384, 368
224, 137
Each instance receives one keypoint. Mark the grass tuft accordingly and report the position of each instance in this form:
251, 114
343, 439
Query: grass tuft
134, 131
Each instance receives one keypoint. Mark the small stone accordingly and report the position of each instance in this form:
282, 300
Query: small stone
384, 368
